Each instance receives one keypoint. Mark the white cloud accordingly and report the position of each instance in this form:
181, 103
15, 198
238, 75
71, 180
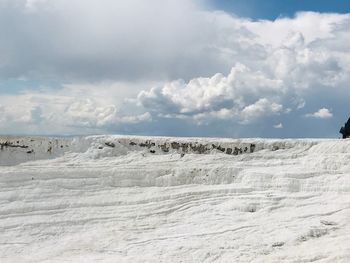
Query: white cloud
145, 117
322, 113
73, 109
306, 26
31, 5
86, 113
263, 107
278, 126
225, 97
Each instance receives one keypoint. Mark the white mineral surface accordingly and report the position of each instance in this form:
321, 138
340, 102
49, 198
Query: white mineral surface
156, 199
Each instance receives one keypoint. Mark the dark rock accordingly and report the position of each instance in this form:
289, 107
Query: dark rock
199, 148
328, 223
252, 147
9, 144
175, 145
31, 151
132, 143
275, 148
221, 149
278, 244
164, 147
184, 147
147, 144
218, 147
110, 144
228, 150
152, 151
237, 151
251, 209
345, 130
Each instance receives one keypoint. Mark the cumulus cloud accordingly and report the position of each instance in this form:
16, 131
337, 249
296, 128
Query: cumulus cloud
278, 126
236, 95
322, 113
306, 28
259, 109
88, 113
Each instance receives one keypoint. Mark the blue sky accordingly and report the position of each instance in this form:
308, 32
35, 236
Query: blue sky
273, 68
272, 9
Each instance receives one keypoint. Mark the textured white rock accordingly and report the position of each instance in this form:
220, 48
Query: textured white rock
108, 199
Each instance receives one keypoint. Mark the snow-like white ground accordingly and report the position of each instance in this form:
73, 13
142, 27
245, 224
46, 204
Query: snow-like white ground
139, 199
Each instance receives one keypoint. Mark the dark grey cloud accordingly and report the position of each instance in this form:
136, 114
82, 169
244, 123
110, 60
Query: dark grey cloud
118, 40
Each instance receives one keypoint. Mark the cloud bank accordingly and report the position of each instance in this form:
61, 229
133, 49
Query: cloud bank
136, 66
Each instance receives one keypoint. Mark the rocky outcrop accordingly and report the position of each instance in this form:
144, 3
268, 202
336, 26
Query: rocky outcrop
15, 149
190, 147
12, 145
345, 130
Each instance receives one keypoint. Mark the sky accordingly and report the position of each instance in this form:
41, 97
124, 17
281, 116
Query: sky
218, 68
272, 9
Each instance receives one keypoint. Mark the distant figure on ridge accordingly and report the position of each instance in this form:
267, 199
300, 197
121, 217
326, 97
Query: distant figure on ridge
346, 129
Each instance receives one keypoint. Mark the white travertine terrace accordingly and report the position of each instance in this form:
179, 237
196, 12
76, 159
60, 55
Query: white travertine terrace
162, 199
